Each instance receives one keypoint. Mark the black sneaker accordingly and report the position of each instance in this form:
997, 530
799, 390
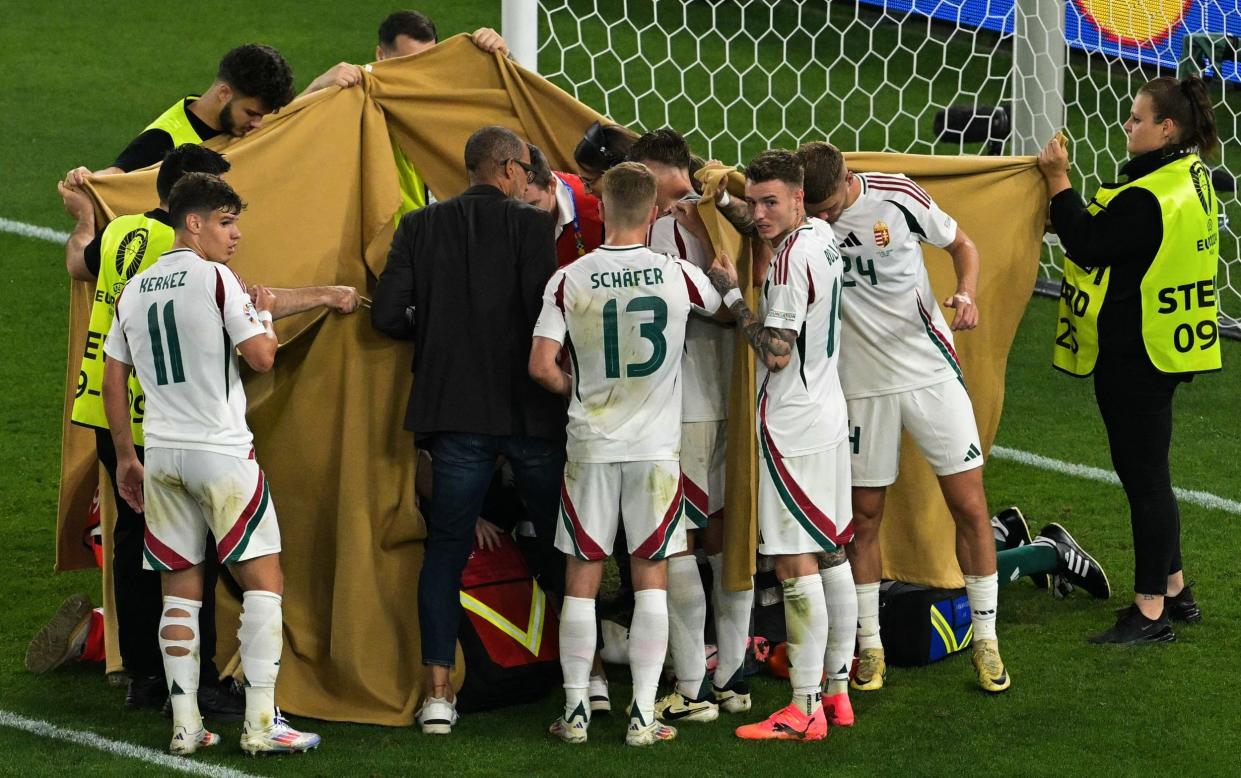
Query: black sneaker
1183, 607
1011, 529
149, 692
1132, 628
218, 702
1076, 566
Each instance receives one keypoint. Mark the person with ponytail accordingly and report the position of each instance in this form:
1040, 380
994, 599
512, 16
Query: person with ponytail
1138, 311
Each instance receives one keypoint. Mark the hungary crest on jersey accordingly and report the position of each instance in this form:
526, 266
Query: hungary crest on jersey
882, 235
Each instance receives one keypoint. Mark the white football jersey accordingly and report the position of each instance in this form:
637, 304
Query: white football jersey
708, 364
177, 324
896, 338
621, 311
801, 409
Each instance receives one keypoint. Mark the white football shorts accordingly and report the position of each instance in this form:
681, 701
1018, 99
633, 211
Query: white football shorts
804, 503
703, 447
940, 419
189, 493
595, 496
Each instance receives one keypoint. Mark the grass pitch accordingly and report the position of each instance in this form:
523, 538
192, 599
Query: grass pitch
82, 78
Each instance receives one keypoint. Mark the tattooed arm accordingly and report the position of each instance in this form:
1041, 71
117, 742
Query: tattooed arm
773, 345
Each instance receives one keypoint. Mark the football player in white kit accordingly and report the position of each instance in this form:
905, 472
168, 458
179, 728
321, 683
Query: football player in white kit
620, 312
804, 509
177, 324
900, 370
706, 370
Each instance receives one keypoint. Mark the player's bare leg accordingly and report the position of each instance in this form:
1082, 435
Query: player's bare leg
732, 625
687, 622
577, 646
967, 501
262, 639
179, 646
867, 563
805, 615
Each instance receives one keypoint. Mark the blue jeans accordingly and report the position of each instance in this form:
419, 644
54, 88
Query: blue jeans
462, 465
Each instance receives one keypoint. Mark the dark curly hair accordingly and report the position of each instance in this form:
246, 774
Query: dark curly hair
258, 70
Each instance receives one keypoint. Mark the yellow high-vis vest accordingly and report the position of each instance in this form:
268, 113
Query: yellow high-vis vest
413, 190
176, 123
128, 245
1180, 310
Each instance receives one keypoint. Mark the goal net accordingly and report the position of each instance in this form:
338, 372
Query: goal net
915, 76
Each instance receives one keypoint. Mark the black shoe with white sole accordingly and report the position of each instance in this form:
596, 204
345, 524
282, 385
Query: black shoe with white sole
1010, 528
1076, 566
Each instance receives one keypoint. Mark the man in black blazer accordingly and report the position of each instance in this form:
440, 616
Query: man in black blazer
465, 281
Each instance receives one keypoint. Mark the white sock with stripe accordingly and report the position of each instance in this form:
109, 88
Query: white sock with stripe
648, 642
732, 623
805, 621
868, 615
180, 655
842, 610
262, 639
577, 653
983, 592
687, 619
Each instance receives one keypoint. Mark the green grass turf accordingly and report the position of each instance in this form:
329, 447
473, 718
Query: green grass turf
83, 77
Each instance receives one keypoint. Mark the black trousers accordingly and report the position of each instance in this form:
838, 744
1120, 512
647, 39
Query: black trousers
1135, 401
139, 600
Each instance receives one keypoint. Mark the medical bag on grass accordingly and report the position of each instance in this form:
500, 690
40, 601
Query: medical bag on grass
919, 626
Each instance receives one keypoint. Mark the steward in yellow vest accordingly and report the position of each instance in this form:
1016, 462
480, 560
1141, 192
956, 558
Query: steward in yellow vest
1175, 298
127, 246
1139, 312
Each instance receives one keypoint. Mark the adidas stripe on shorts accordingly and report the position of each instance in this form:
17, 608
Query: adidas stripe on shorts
940, 419
804, 502
189, 492
594, 496
703, 444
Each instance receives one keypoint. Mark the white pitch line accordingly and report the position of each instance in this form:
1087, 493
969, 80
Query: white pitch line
33, 231
117, 747
1203, 499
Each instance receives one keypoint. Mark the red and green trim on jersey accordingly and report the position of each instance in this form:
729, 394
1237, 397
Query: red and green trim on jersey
232, 546
941, 341
814, 521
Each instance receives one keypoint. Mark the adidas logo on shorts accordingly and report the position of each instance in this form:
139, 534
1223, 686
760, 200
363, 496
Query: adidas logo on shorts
972, 454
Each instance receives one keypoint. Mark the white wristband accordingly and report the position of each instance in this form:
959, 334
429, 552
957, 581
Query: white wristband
731, 297
265, 317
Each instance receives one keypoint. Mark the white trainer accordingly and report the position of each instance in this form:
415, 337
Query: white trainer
437, 716
600, 701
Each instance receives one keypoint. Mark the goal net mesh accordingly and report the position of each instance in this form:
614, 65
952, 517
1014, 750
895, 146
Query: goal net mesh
740, 76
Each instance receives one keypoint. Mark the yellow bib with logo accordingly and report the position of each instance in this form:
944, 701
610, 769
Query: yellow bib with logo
176, 123
413, 190
129, 245
1180, 312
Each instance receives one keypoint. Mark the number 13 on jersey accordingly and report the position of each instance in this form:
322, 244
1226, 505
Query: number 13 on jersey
651, 330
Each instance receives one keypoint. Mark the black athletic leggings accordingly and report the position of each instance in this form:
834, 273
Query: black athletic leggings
1135, 401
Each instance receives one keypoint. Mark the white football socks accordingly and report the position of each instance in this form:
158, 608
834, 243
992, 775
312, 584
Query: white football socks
732, 624
842, 610
805, 621
180, 655
648, 642
687, 619
577, 653
868, 615
262, 639
983, 592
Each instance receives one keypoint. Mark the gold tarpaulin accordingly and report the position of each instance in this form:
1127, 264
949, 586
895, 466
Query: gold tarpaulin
321, 188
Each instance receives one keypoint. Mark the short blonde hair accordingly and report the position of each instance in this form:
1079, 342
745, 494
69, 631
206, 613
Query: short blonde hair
629, 191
